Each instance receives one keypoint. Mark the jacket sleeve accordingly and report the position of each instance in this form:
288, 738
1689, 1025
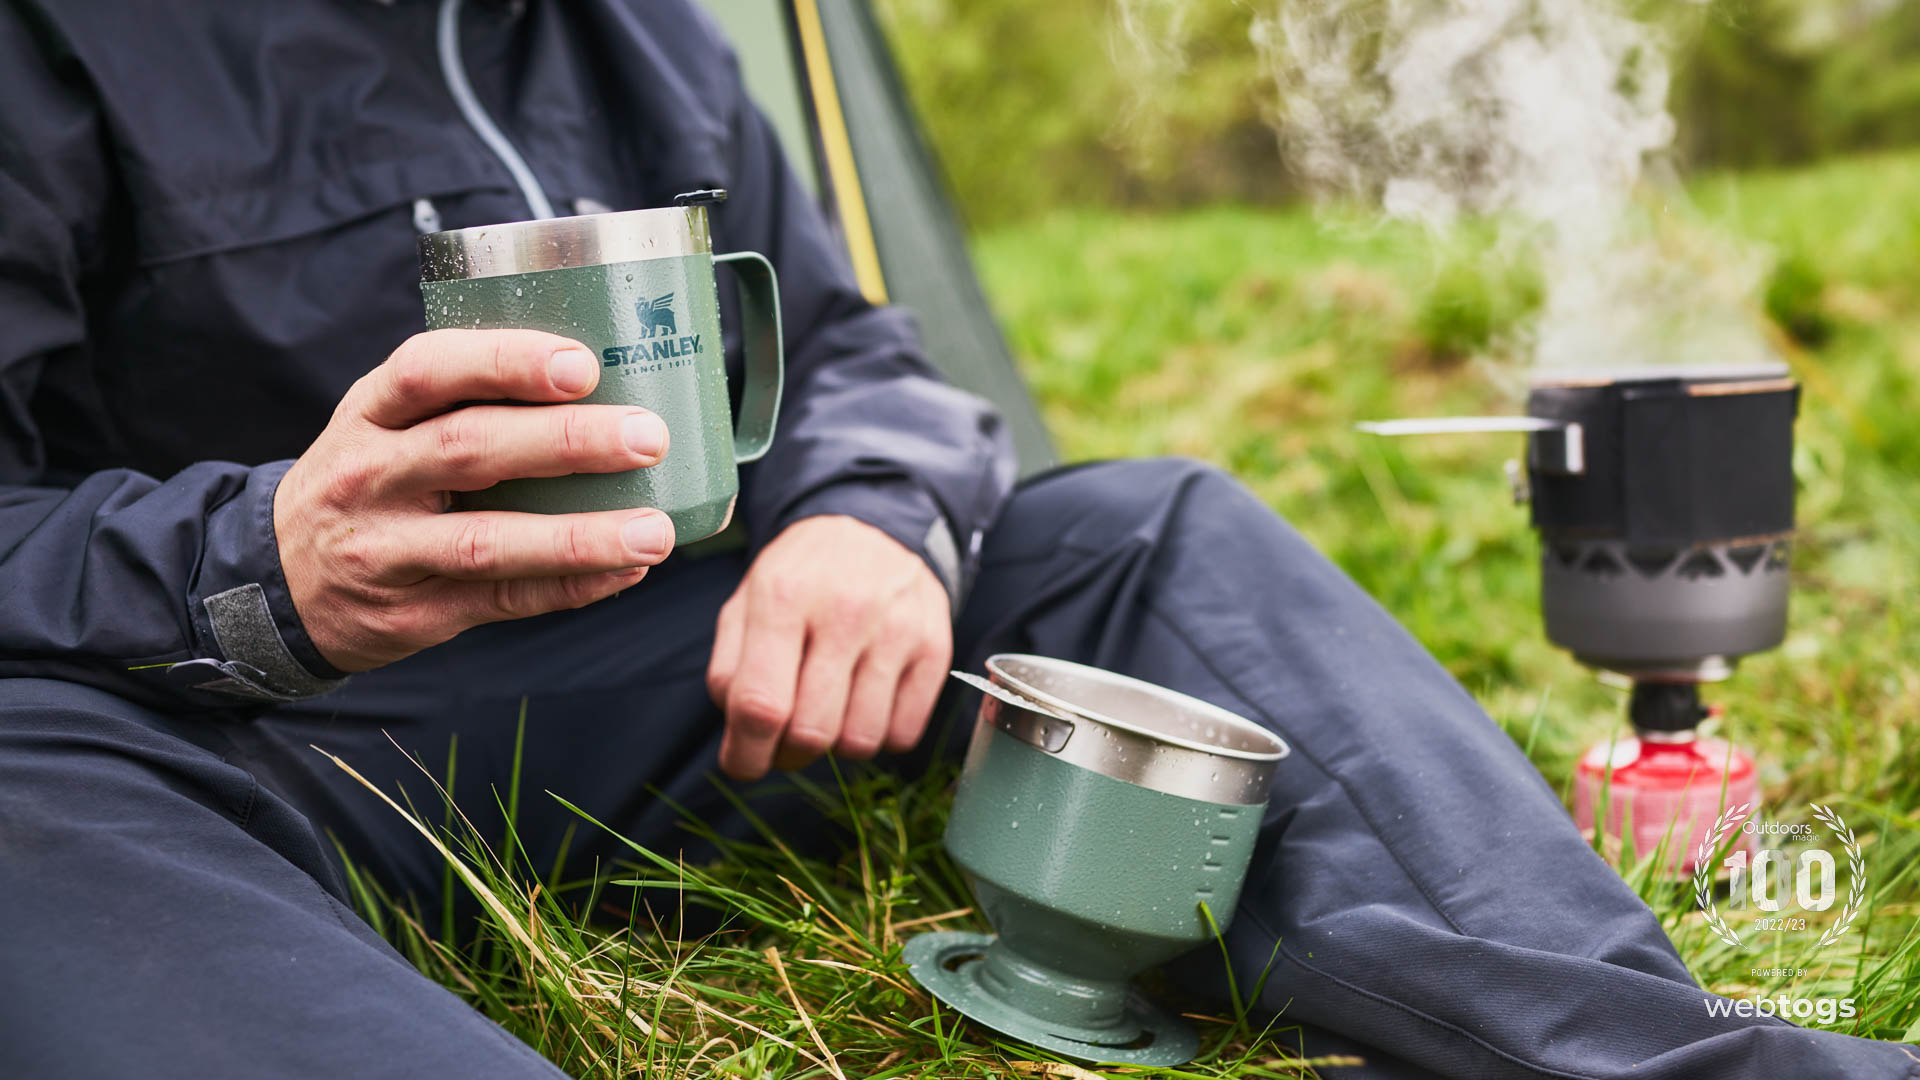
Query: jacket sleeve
166, 592
867, 428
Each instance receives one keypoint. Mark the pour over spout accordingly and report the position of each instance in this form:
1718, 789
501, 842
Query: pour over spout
1027, 720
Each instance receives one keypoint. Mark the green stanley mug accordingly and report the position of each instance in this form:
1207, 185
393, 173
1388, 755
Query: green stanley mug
637, 288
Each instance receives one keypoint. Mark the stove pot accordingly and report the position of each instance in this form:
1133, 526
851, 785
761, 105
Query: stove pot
1665, 547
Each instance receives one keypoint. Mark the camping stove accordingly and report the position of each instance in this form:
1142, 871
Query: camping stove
1664, 502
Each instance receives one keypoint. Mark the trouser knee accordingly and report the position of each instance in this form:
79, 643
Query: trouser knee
1116, 498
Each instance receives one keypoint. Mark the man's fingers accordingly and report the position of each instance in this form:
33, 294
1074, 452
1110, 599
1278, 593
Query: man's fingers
499, 545
497, 601
870, 705
432, 372
918, 692
726, 649
478, 446
820, 710
760, 701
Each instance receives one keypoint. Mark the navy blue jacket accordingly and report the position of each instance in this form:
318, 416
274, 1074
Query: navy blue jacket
208, 214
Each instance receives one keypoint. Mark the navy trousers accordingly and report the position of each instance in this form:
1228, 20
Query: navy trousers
169, 906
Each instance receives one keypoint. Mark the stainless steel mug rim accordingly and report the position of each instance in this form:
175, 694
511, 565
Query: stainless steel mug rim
1133, 753
1004, 667
520, 247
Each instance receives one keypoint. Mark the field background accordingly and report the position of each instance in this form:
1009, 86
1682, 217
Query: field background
1278, 329
1275, 330
1167, 291
1258, 349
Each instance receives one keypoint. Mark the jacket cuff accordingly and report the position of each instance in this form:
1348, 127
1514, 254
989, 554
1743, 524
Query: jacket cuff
248, 639
904, 511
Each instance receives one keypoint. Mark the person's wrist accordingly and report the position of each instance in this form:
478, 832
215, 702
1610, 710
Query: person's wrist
293, 558
249, 638
899, 508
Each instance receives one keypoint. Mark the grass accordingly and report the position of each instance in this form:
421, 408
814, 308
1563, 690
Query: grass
765, 964
1255, 339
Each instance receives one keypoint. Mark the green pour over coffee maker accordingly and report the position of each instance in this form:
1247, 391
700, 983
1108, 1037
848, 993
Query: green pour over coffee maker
1094, 816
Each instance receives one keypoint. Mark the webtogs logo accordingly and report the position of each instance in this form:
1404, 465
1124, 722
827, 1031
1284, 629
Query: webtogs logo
1823, 1010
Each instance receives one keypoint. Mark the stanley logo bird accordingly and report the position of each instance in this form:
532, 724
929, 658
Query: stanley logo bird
656, 316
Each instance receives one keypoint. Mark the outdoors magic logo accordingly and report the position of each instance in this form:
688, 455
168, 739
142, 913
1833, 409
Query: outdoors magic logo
1783, 882
662, 345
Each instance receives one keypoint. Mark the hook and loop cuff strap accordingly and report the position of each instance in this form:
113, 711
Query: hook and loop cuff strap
258, 664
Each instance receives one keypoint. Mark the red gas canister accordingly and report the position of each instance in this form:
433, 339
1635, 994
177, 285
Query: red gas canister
1665, 788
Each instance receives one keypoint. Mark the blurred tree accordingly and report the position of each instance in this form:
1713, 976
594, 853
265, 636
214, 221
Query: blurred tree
1034, 105
1779, 81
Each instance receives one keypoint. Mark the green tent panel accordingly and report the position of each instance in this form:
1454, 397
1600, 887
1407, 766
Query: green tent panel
852, 134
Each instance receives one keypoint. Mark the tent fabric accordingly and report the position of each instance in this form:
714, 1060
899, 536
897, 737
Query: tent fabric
761, 33
923, 249
919, 236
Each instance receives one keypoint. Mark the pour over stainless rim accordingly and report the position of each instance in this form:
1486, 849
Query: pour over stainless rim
1134, 751
521, 247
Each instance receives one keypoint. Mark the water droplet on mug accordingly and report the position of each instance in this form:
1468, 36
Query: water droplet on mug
1015, 824
516, 290
629, 277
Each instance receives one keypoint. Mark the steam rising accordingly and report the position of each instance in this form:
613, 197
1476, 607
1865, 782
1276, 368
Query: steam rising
1542, 113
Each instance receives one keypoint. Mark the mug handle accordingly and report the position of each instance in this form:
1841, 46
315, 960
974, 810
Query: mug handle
764, 349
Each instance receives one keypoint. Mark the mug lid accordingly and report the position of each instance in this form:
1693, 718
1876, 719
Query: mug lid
519, 247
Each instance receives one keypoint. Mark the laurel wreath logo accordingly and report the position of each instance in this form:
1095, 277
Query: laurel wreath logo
1857, 892
1703, 872
1726, 822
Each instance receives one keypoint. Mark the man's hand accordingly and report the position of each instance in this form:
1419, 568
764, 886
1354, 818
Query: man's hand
378, 570
838, 639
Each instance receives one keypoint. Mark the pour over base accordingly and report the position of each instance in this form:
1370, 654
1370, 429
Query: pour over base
949, 965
